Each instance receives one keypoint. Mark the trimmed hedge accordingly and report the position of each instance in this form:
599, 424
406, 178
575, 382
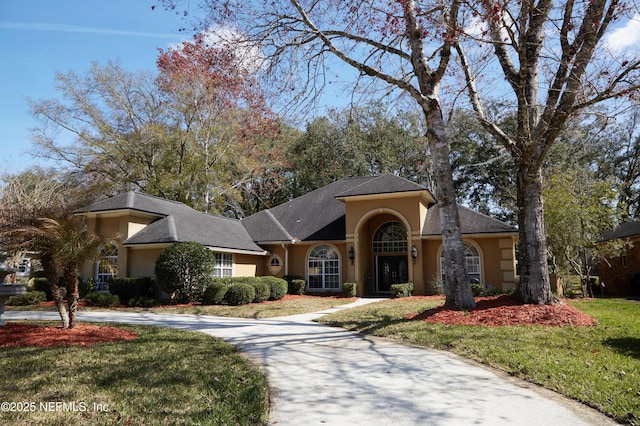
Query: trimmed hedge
278, 287
130, 288
263, 291
102, 299
239, 294
401, 290
349, 289
297, 286
41, 284
214, 293
27, 299
294, 289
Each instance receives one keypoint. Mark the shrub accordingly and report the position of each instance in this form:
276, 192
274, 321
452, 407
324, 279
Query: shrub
436, 285
27, 299
349, 289
41, 284
142, 302
290, 279
239, 294
183, 270
263, 291
477, 289
102, 299
401, 290
129, 288
214, 293
297, 286
85, 287
278, 287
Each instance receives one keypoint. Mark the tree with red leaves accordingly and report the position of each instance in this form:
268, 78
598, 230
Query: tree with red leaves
403, 45
223, 116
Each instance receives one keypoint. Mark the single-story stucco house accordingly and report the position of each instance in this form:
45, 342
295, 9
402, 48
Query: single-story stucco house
621, 274
375, 231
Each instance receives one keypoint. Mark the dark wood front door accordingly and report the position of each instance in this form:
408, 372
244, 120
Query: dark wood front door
390, 270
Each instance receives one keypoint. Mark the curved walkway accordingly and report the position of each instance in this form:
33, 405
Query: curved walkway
321, 375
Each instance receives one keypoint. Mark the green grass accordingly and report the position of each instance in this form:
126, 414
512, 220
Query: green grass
253, 310
599, 366
166, 376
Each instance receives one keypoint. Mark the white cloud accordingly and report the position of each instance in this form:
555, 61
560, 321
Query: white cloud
626, 36
38, 26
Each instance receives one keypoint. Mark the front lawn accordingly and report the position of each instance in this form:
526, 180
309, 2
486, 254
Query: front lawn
597, 365
165, 376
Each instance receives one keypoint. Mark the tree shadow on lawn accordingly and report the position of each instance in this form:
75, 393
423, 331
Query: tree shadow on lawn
629, 346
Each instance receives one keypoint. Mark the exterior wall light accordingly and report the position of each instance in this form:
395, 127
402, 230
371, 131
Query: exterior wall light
414, 253
352, 254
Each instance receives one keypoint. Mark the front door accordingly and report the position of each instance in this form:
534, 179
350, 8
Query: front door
390, 270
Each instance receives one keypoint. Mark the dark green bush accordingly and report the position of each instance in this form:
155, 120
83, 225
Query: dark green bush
183, 270
290, 279
27, 299
278, 287
41, 284
263, 291
85, 287
214, 293
297, 286
477, 289
401, 290
349, 289
128, 288
102, 299
239, 294
142, 302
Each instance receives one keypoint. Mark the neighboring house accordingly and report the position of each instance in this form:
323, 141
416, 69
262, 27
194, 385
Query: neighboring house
621, 274
375, 231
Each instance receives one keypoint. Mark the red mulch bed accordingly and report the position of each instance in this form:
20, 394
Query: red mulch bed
497, 311
19, 334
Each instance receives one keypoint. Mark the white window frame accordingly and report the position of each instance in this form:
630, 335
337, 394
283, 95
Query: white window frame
275, 264
223, 265
106, 267
323, 268
473, 261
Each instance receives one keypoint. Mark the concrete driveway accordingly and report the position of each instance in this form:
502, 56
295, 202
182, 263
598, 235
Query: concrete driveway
321, 375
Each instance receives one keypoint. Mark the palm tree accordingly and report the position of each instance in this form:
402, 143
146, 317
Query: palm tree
36, 214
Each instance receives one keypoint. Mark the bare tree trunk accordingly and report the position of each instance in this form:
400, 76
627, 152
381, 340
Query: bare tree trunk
71, 283
456, 282
51, 273
534, 272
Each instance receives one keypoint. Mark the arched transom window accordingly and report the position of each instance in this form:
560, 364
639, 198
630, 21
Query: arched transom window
323, 268
472, 260
390, 238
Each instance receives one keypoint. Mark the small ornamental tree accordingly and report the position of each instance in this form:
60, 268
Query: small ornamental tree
183, 270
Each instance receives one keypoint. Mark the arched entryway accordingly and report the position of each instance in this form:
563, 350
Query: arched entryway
390, 256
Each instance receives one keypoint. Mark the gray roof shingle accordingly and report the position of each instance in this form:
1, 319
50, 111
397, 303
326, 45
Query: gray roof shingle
471, 222
178, 222
624, 230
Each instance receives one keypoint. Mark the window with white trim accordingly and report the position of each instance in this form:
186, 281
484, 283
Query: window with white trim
107, 266
275, 264
323, 266
472, 261
390, 238
223, 265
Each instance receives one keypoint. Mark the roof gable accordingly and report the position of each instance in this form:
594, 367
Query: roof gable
471, 222
385, 184
177, 222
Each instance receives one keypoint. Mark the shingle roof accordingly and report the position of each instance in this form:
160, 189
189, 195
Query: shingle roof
385, 184
628, 229
471, 222
178, 222
315, 216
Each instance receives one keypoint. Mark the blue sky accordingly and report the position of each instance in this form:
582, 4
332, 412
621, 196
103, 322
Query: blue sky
41, 37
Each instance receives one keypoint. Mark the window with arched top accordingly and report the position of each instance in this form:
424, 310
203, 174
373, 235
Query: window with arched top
107, 266
323, 268
472, 261
390, 238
